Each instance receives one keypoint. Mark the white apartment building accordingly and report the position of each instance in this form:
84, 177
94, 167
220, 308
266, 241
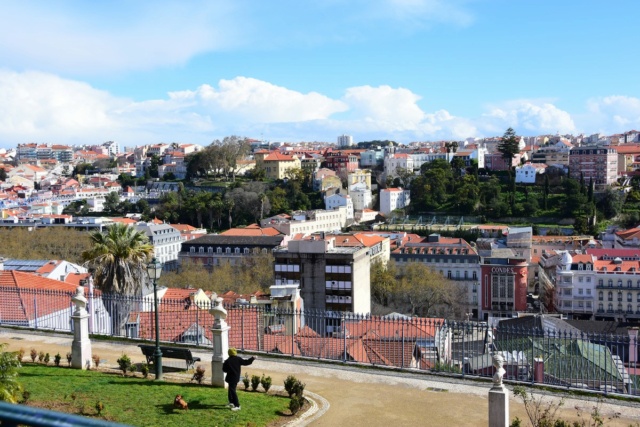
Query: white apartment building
360, 196
603, 284
345, 141
166, 242
392, 199
309, 222
526, 174
336, 200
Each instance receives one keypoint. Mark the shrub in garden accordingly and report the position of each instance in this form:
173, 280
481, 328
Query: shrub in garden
245, 381
133, 368
34, 355
255, 382
99, 407
69, 357
41, 356
266, 383
20, 354
298, 388
124, 363
46, 358
295, 404
145, 370
96, 360
56, 359
288, 384
198, 375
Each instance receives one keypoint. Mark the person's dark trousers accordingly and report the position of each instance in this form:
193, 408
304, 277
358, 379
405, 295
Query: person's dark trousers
233, 396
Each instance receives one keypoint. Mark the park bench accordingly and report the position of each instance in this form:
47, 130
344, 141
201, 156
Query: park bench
170, 353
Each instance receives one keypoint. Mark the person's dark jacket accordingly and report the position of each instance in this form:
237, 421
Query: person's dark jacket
233, 366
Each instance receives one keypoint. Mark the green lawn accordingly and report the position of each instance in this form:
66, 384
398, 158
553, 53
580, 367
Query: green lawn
143, 402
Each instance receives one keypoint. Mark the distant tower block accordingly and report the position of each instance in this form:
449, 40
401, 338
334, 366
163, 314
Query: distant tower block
345, 141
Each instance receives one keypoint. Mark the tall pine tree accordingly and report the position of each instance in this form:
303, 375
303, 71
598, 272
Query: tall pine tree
508, 147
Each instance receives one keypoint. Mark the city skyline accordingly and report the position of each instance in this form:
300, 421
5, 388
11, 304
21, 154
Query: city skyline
409, 70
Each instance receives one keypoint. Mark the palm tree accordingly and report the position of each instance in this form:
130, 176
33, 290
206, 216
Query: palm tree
118, 259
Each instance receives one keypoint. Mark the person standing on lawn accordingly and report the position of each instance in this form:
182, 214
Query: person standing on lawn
233, 368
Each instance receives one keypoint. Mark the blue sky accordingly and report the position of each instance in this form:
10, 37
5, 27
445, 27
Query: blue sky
74, 72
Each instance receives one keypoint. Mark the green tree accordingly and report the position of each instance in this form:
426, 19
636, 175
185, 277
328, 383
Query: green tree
111, 202
383, 281
611, 202
508, 146
10, 388
119, 258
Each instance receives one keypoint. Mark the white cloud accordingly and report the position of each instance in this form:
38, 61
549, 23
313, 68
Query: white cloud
612, 114
112, 36
257, 101
46, 108
385, 107
527, 117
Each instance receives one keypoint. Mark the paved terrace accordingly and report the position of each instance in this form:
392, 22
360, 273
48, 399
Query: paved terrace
348, 395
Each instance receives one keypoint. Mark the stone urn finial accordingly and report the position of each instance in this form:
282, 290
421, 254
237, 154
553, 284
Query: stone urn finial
218, 311
498, 361
80, 301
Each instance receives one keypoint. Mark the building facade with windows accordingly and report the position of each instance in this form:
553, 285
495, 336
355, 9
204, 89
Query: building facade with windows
214, 249
393, 198
330, 278
599, 164
166, 242
453, 258
504, 287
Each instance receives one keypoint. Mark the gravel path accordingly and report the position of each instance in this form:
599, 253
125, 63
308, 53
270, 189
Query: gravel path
354, 396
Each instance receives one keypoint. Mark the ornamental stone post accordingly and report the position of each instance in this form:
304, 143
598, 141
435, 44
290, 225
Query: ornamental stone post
220, 331
81, 346
498, 396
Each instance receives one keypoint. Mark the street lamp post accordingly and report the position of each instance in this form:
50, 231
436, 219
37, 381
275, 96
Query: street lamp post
154, 269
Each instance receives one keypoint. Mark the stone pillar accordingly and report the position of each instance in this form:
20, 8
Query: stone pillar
81, 346
220, 331
498, 396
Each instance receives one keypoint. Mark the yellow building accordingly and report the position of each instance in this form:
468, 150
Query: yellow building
277, 164
359, 175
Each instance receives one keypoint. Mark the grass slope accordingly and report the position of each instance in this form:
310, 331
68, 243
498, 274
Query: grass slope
141, 402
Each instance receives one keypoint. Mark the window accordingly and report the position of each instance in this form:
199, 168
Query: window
588, 279
610, 296
474, 276
610, 307
210, 250
610, 283
589, 304
600, 307
629, 308
600, 282
192, 250
588, 291
201, 250
580, 291
246, 250
619, 296
218, 250
629, 297
580, 279
227, 250
600, 296
629, 283
237, 250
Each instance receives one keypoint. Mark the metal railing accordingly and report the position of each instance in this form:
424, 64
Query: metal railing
535, 352
21, 415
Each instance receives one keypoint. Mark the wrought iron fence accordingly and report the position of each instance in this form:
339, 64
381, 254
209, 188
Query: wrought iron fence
22, 415
534, 353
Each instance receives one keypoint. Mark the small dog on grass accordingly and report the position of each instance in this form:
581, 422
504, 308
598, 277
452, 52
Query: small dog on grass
180, 403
